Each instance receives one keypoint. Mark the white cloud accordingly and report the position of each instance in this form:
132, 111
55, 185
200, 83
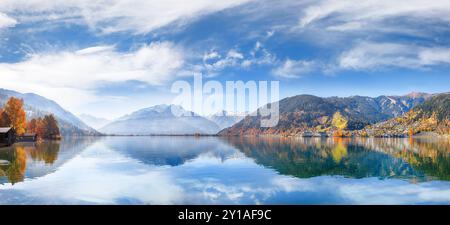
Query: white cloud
259, 56
370, 55
71, 77
346, 15
433, 56
294, 68
214, 61
140, 16
211, 55
6, 21
374, 20
93, 50
233, 54
257, 47
347, 26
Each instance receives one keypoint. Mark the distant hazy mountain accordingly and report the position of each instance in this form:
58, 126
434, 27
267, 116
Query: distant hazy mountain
37, 106
307, 112
95, 122
224, 119
160, 120
433, 115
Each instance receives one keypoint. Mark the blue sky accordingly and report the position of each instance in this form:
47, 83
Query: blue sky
108, 58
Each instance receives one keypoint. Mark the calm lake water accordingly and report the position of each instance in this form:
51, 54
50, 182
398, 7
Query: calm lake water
213, 170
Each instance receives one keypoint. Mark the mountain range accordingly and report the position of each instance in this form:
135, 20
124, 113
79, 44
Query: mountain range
153, 120
432, 115
409, 113
160, 119
38, 106
93, 121
224, 120
311, 113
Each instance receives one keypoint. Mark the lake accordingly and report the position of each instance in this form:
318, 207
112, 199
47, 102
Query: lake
232, 170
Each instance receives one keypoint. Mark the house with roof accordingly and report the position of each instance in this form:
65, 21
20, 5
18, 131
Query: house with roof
27, 137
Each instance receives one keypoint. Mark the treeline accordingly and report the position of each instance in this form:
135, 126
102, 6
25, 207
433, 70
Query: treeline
13, 115
46, 127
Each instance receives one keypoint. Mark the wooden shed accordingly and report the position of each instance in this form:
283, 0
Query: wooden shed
27, 137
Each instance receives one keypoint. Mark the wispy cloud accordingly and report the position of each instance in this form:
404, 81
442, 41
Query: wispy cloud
294, 68
346, 15
260, 55
6, 21
286, 39
434, 56
75, 75
371, 55
139, 16
214, 61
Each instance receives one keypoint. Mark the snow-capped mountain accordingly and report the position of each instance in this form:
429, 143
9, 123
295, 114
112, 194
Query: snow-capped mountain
38, 106
93, 121
161, 119
224, 119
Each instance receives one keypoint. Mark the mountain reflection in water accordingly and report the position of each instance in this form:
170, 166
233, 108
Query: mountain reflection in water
416, 159
226, 170
172, 151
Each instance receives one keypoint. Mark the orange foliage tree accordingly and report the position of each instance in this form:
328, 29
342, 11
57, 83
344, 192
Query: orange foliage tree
36, 126
4, 119
410, 132
16, 114
51, 127
46, 127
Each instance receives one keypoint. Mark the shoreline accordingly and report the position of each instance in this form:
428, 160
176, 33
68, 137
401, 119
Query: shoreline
159, 135
427, 135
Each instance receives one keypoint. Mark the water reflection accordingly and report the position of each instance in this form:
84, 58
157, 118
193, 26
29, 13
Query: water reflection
415, 159
169, 150
46, 152
31, 160
210, 170
14, 163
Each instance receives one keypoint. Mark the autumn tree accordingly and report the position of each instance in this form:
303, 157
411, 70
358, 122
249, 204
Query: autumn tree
410, 132
51, 127
4, 119
46, 127
339, 122
32, 125
36, 126
16, 113
40, 128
